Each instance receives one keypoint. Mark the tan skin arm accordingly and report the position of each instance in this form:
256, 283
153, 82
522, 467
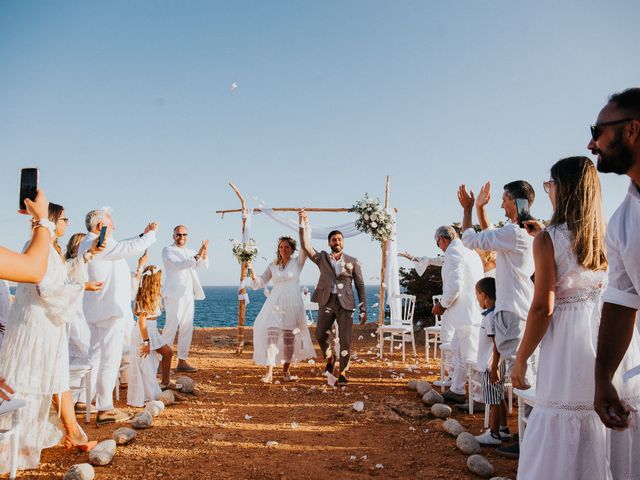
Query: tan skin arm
541, 310
142, 325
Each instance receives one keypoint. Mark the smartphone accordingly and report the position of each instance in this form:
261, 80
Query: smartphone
522, 206
28, 186
103, 232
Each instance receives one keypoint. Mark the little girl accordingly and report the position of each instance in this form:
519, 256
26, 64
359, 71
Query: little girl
147, 345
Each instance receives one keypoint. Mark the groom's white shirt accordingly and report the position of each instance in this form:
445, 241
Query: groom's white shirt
113, 301
181, 277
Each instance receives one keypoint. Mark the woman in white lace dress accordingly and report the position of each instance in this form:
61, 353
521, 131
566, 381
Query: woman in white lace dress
35, 358
280, 332
564, 438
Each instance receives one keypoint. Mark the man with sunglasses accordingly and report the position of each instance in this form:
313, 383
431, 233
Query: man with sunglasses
181, 288
615, 140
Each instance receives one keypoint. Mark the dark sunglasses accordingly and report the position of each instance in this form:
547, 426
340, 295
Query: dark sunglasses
181, 234
596, 130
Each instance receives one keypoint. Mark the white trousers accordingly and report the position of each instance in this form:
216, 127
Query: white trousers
179, 319
105, 356
464, 346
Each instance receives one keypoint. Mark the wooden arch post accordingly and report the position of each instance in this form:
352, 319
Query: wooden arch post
242, 304
381, 303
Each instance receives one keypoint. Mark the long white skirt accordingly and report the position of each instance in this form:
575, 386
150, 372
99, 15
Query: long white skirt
143, 382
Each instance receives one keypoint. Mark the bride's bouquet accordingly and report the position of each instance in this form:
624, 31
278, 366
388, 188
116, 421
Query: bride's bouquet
374, 219
244, 251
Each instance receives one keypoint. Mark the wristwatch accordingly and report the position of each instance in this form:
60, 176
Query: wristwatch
145, 341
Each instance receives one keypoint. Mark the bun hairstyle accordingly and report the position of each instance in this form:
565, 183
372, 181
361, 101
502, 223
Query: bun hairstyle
149, 298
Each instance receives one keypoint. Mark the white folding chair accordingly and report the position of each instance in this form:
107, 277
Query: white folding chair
445, 349
474, 381
432, 334
82, 372
525, 397
400, 327
124, 365
12, 407
309, 306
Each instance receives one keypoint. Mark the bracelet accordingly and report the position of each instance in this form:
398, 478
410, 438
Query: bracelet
48, 224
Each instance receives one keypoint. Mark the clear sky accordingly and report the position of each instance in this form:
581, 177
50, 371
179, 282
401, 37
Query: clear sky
129, 104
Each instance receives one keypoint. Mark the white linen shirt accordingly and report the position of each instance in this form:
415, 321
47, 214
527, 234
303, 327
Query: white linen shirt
113, 301
461, 270
337, 267
514, 265
181, 278
623, 252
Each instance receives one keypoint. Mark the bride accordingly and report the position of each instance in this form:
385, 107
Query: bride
280, 332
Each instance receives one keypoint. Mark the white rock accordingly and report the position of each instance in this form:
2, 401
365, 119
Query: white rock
272, 443
440, 410
480, 466
102, 453
358, 406
167, 397
81, 471
499, 478
142, 420
413, 385
432, 397
124, 435
467, 443
453, 427
154, 407
422, 387
188, 384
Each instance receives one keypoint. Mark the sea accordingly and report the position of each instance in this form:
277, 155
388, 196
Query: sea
220, 307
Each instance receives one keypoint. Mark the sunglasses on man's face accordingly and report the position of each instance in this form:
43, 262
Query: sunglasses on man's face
181, 234
596, 130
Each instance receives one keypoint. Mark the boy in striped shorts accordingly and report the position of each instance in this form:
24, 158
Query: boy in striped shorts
494, 373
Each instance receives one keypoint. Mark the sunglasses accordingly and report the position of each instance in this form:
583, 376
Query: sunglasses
596, 130
181, 234
63, 219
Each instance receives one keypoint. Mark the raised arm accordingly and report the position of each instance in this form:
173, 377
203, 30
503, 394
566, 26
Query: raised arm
481, 203
541, 309
305, 237
130, 247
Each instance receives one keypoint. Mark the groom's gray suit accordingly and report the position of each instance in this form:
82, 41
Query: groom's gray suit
337, 306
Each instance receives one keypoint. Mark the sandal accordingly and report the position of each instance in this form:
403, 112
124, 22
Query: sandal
170, 386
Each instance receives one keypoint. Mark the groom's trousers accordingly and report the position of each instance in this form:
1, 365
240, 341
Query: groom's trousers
327, 313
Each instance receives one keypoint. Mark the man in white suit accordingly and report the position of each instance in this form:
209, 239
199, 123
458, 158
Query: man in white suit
461, 270
108, 311
181, 288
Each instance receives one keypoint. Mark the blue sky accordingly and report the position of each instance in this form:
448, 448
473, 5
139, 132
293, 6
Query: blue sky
129, 104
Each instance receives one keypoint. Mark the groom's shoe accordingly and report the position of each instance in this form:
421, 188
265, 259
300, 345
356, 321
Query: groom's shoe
342, 380
330, 364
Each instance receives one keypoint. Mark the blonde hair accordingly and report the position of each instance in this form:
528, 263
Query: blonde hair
72, 245
579, 205
292, 243
149, 298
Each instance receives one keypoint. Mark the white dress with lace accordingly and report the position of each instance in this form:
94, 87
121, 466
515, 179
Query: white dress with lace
77, 326
34, 357
282, 319
564, 436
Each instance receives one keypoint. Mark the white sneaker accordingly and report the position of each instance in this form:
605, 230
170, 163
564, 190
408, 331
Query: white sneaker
488, 440
439, 383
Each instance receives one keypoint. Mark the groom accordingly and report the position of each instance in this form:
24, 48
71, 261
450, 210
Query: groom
334, 294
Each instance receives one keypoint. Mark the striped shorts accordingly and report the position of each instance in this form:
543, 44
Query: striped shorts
493, 393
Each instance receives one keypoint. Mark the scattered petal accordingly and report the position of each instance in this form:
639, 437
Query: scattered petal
344, 353
272, 443
294, 425
352, 457
360, 337
311, 362
358, 406
379, 465
340, 286
248, 417
295, 331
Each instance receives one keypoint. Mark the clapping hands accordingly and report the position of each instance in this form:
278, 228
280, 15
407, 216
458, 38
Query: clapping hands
202, 253
484, 196
151, 226
466, 199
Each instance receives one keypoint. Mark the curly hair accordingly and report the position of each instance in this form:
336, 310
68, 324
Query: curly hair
292, 243
149, 298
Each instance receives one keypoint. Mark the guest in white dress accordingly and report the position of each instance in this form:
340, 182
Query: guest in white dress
35, 356
564, 438
147, 345
280, 333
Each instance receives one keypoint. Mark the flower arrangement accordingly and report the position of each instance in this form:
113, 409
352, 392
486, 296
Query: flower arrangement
374, 219
244, 251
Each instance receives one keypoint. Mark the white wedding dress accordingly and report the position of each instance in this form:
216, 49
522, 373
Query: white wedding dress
34, 358
282, 319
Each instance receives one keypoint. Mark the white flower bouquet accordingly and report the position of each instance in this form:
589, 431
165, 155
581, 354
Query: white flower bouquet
374, 219
244, 251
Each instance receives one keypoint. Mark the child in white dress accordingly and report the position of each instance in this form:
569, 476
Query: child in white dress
147, 346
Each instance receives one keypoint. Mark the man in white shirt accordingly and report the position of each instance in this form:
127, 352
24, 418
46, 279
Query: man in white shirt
108, 311
461, 269
616, 142
181, 288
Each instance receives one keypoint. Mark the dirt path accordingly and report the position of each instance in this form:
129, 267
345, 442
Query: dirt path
222, 431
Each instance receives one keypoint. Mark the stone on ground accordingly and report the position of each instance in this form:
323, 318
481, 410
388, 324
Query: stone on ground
154, 407
188, 384
422, 387
124, 435
413, 385
167, 397
103, 452
453, 427
467, 443
440, 410
432, 397
480, 466
81, 471
142, 420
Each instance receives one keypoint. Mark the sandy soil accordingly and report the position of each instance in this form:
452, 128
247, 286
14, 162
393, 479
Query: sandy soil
222, 431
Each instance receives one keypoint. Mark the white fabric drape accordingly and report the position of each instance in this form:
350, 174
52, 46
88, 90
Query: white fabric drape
391, 275
348, 229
